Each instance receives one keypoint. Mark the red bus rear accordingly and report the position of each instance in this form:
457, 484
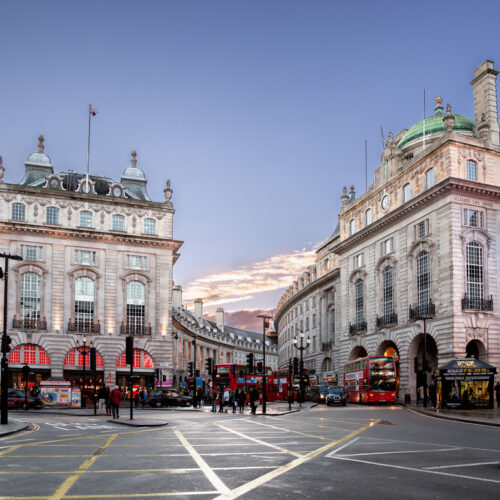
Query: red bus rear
371, 380
243, 379
282, 382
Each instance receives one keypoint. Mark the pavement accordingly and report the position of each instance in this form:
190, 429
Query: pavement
12, 427
479, 416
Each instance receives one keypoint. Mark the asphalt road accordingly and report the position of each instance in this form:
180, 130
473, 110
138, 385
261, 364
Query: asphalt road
354, 452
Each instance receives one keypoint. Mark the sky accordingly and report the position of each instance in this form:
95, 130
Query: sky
257, 111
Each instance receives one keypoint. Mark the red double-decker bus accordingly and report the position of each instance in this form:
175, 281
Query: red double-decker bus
282, 382
370, 380
243, 379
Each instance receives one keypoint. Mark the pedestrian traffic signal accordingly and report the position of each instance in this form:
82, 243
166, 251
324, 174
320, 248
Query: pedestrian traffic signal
250, 361
6, 341
260, 367
191, 369
209, 366
129, 350
295, 366
415, 364
233, 370
93, 355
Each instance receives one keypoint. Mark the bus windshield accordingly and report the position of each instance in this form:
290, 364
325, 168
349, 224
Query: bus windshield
382, 375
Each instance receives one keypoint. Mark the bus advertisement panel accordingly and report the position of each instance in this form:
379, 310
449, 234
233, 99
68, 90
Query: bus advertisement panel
371, 380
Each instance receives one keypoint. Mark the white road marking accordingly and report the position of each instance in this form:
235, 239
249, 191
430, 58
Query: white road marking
342, 447
209, 473
460, 465
402, 451
461, 476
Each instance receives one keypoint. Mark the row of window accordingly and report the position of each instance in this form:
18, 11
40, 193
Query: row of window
86, 218
471, 172
300, 310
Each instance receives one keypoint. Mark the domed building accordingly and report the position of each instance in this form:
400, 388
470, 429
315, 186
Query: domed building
411, 270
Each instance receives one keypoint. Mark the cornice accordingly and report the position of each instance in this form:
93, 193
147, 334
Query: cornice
443, 188
318, 282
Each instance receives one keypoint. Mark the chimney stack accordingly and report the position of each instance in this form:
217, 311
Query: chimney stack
485, 100
219, 318
177, 296
198, 309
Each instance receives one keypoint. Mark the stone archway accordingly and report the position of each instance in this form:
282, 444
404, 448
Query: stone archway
476, 349
357, 352
416, 351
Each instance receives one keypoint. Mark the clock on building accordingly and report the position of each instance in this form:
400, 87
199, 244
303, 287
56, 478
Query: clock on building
85, 187
117, 191
54, 184
385, 202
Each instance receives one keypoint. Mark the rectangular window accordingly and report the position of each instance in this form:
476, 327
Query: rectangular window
421, 229
358, 260
86, 219
406, 193
118, 223
149, 226
307, 324
387, 247
314, 321
473, 218
52, 215
31, 252
368, 217
429, 178
352, 227
85, 258
471, 170
18, 211
137, 262
314, 301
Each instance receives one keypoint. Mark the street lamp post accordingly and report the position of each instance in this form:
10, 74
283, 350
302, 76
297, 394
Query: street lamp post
84, 342
195, 402
4, 410
265, 326
301, 348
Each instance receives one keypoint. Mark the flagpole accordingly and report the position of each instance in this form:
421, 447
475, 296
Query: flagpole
88, 148
424, 124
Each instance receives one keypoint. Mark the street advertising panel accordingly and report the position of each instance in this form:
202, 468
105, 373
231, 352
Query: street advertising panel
55, 393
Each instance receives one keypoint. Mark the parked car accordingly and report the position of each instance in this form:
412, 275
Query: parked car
159, 398
336, 396
319, 393
16, 399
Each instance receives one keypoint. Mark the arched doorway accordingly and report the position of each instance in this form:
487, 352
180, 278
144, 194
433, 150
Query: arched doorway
358, 352
476, 349
390, 349
327, 374
418, 373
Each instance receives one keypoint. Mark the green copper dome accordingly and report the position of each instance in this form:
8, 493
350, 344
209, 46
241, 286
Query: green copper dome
434, 125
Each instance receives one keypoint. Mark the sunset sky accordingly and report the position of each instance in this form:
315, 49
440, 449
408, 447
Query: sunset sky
256, 110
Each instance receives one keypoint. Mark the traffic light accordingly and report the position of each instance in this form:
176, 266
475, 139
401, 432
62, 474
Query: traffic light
26, 372
157, 374
290, 366
260, 367
191, 369
6, 341
93, 355
129, 350
197, 373
295, 366
233, 370
415, 364
208, 366
250, 361
301, 367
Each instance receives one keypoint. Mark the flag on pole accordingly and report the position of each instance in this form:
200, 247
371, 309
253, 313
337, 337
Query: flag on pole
92, 111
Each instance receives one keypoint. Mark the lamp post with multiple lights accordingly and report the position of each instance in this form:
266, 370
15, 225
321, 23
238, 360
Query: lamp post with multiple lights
301, 348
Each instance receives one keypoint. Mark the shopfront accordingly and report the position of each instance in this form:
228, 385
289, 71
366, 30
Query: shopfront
465, 384
36, 358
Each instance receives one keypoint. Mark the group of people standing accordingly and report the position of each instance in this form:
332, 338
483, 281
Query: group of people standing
234, 399
109, 401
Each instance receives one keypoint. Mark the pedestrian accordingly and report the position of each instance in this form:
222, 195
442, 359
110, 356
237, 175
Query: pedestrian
141, 397
241, 400
254, 396
102, 396
214, 400
432, 393
497, 393
226, 396
116, 397
232, 400
221, 401
108, 402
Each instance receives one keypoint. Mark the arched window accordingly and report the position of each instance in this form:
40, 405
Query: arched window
475, 275
471, 170
406, 193
30, 300
84, 303
368, 217
359, 301
85, 218
18, 211
149, 226
423, 279
29, 353
136, 307
388, 293
352, 226
141, 360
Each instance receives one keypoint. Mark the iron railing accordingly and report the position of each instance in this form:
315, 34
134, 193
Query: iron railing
326, 346
422, 311
477, 304
387, 320
359, 327
126, 329
84, 326
29, 323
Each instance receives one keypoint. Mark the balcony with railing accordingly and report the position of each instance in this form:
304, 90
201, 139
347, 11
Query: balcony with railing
359, 327
84, 326
387, 320
469, 303
29, 323
128, 329
326, 346
422, 311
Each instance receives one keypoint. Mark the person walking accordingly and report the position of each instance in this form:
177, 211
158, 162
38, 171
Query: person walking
115, 397
497, 393
232, 400
241, 400
254, 396
102, 396
221, 401
214, 400
108, 402
226, 396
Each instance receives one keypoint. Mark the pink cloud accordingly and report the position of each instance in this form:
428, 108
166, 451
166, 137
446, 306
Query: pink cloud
245, 319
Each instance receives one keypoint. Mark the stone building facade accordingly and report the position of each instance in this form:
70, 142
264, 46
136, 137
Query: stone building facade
222, 343
413, 263
97, 266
